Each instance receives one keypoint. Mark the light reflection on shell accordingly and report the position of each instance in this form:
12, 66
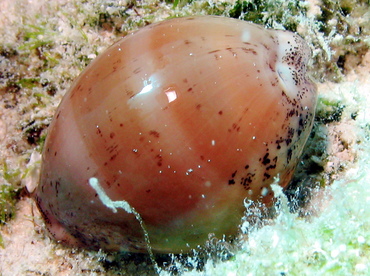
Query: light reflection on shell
183, 120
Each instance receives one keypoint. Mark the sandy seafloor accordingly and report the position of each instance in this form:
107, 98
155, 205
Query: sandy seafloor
333, 240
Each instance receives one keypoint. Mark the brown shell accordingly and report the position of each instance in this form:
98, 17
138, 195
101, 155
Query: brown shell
182, 120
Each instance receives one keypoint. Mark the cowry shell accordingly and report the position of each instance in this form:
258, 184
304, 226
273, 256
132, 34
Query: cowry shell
179, 122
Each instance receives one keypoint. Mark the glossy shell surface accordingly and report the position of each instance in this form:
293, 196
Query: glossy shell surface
183, 120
